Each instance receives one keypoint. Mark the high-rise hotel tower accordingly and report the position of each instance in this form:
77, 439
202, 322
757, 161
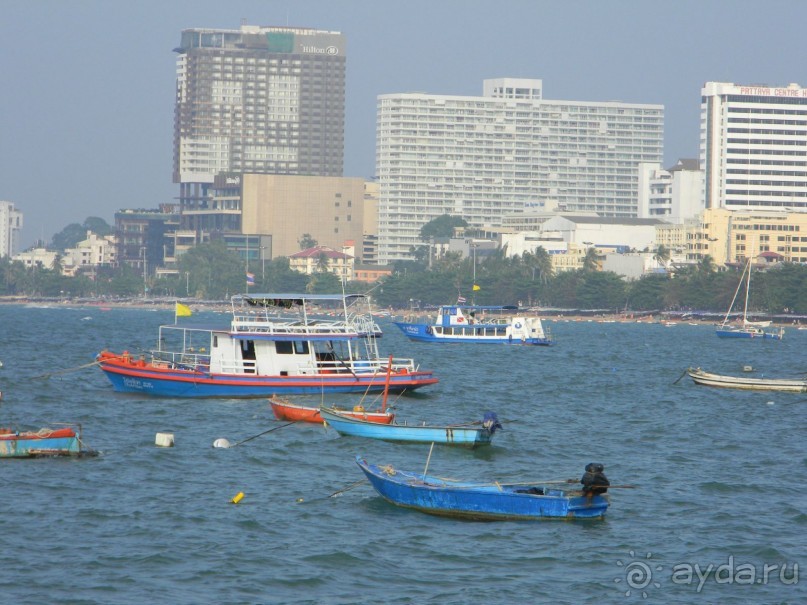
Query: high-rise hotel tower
481, 158
753, 146
261, 100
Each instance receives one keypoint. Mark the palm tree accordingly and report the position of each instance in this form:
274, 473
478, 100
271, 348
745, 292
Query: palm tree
57, 265
323, 262
590, 261
662, 255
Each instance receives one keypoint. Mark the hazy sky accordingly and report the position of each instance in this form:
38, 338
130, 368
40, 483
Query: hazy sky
87, 101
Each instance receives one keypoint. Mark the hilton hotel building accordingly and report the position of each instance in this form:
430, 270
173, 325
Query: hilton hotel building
258, 100
753, 147
504, 152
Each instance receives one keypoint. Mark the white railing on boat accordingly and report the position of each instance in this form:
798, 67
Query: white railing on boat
201, 363
253, 325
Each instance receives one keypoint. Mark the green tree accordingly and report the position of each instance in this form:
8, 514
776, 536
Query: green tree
214, 271
600, 290
306, 241
323, 262
590, 261
75, 233
442, 226
662, 255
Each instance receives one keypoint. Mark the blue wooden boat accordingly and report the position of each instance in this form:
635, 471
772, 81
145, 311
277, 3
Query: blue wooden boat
273, 344
470, 434
42, 443
480, 501
478, 324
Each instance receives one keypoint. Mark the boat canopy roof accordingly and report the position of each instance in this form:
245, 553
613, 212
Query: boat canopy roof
482, 307
288, 300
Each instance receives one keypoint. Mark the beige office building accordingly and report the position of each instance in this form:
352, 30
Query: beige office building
329, 209
731, 236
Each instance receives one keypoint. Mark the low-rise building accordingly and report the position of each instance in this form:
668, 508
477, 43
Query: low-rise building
321, 259
91, 253
729, 236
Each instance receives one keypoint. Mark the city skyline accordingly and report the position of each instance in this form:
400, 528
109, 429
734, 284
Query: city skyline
87, 118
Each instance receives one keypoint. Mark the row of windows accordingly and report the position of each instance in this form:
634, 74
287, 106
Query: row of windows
759, 131
792, 184
768, 111
775, 142
766, 172
766, 100
733, 160
759, 227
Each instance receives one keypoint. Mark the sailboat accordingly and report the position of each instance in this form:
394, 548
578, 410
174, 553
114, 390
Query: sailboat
748, 329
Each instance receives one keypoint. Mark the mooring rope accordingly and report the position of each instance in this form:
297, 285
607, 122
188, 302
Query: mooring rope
57, 372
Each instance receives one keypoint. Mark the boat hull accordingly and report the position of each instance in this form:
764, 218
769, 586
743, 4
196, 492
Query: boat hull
463, 436
750, 384
484, 502
43, 443
753, 334
284, 410
425, 333
128, 376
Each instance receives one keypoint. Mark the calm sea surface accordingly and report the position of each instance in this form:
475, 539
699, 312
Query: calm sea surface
721, 477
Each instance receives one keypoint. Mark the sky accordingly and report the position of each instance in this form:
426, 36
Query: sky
87, 86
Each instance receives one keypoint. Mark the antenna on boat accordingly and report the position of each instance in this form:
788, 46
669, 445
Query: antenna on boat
428, 459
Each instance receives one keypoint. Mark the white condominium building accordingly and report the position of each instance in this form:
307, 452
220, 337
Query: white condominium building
481, 158
10, 227
753, 146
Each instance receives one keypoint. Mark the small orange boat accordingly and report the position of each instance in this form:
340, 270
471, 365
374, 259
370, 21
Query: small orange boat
286, 410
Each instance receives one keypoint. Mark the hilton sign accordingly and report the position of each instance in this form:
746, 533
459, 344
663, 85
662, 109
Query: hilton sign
227, 180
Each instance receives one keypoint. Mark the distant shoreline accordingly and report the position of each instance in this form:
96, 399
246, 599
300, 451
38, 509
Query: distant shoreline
550, 314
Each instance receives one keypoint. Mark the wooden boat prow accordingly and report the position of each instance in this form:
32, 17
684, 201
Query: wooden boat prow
284, 409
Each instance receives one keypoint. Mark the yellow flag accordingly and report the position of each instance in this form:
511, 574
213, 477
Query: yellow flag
476, 288
183, 310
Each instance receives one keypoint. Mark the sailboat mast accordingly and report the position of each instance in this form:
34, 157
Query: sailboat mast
733, 300
747, 291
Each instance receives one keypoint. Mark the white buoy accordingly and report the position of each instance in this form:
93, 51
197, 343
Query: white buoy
164, 440
748, 369
221, 442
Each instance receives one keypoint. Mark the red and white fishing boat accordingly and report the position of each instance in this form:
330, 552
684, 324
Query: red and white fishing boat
274, 344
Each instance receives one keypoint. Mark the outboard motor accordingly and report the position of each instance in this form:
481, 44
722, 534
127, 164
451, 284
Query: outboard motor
594, 480
491, 422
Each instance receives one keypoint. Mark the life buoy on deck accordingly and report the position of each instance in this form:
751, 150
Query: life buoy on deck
517, 325
403, 371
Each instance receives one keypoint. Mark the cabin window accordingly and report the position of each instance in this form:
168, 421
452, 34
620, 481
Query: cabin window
292, 347
248, 349
284, 347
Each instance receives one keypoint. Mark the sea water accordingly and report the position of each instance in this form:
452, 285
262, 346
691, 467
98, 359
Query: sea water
713, 508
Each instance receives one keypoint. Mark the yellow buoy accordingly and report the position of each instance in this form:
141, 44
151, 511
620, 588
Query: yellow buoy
237, 498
